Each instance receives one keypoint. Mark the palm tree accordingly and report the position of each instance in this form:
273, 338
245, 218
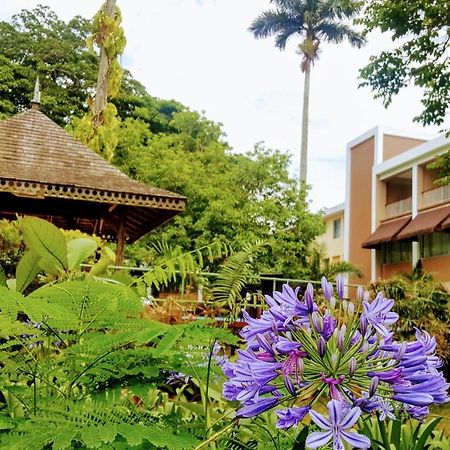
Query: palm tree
314, 21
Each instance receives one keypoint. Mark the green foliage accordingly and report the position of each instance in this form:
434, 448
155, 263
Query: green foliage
68, 373
442, 164
421, 30
38, 43
171, 264
420, 302
233, 274
48, 251
99, 128
409, 435
11, 246
319, 267
233, 197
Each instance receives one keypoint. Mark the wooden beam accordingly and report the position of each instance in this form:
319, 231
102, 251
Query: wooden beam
120, 242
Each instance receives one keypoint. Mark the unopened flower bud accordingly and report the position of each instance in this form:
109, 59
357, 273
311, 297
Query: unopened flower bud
401, 351
332, 302
300, 367
327, 292
352, 366
309, 297
363, 324
316, 321
373, 386
334, 360
344, 305
365, 347
351, 309
366, 296
340, 286
321, 346
341, 338
360, 292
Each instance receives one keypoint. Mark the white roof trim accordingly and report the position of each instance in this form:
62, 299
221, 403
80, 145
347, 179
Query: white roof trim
382, 131
334, 210
363, 137
417, 155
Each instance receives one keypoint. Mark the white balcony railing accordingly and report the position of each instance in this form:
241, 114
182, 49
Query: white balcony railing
438, 195
398, 208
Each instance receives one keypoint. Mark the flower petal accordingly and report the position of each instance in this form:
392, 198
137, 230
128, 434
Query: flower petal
355, 439
350, 419
320, 420
318, 439
334, 411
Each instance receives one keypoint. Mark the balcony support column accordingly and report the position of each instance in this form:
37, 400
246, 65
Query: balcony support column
415, 204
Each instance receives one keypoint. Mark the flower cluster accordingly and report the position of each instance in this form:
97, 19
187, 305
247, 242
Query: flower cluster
303, 352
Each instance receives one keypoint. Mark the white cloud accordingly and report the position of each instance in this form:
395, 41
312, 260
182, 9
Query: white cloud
199, 52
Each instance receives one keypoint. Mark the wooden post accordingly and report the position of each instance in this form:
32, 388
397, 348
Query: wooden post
120, 241
101, 95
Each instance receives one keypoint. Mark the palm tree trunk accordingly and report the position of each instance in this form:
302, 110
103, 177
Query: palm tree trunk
305, 120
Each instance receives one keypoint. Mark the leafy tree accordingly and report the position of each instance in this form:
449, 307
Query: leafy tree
38, 43
315, 21
421, 29
234, 198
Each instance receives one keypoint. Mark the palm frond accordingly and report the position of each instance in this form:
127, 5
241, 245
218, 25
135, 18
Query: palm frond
332, 9
270, 23
337, 32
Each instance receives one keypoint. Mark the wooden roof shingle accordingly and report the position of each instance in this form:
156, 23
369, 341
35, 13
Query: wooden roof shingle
40, 160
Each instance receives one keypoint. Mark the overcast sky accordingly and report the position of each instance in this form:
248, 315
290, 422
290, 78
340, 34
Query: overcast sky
200, 53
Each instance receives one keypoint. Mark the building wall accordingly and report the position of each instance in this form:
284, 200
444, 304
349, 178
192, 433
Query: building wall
394, 145
438, 266
389, 270
396, 192
334, 247
360, 198
428, 178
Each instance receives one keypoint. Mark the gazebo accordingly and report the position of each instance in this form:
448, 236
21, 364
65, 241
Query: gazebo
46, 172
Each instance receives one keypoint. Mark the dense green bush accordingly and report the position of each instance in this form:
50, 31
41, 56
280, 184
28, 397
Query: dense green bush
421, 302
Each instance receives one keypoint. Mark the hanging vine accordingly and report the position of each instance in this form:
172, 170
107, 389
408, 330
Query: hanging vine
98, 129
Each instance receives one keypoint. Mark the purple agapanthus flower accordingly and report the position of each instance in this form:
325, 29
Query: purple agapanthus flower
302, 350
290, 417
335, 428
378, 313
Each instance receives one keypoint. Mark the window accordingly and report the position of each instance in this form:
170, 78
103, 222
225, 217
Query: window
337, 228
434, 244
396, 252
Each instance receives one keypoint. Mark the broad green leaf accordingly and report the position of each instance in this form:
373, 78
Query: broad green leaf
47, 241
78, 250
132, 433
426, 434
26, 270
91, 436
63, 438
395, 435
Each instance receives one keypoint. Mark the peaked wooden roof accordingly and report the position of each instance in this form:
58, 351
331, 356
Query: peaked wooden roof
45, 171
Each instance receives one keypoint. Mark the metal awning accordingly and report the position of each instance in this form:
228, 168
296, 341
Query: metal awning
425, 222
386, 232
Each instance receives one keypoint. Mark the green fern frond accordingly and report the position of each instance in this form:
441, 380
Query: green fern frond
234, 273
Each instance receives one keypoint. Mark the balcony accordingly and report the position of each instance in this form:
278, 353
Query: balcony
398, 208
435, 196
